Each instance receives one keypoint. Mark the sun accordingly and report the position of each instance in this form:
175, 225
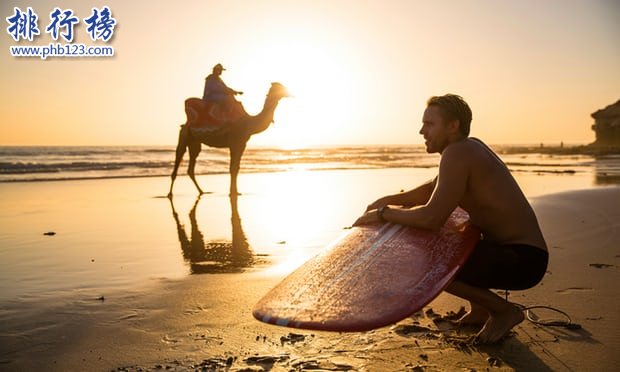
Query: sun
324, 81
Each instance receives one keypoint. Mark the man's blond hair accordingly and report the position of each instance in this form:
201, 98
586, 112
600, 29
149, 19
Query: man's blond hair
453, 107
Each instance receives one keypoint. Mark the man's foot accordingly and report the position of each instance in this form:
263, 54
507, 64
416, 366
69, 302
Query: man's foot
473, 319
499, 324
477, 316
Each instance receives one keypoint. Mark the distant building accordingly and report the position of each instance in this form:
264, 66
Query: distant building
607, 126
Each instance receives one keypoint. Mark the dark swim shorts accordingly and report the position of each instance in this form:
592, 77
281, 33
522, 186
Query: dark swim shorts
508, 266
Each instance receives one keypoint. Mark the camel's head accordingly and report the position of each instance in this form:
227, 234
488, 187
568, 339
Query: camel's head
278, 90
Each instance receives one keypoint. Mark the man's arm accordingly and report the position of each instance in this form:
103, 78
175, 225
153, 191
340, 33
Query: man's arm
228, 90
450, 187
231, 91
418, 196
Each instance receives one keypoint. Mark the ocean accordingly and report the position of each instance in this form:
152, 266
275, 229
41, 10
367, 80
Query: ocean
47, 163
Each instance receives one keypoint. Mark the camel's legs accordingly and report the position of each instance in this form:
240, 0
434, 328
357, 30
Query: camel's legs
235, 163
180, 152
194, 150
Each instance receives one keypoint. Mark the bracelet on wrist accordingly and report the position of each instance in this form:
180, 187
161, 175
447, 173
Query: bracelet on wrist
380, 212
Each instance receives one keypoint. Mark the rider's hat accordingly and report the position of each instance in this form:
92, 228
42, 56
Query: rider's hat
219, 67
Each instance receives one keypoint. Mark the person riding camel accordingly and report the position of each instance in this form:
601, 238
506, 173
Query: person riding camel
217, 91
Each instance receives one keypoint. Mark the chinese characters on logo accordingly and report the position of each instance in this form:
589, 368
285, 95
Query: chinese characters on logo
62, 19
24, 25
100, 24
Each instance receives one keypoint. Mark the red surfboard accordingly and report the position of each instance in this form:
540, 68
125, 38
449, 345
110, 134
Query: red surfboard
373, 276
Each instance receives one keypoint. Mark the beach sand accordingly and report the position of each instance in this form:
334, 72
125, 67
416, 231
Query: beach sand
171, 286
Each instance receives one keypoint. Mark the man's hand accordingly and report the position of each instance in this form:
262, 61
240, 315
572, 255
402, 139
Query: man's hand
376, 204
368, 217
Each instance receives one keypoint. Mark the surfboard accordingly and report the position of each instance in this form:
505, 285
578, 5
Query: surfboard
373, 276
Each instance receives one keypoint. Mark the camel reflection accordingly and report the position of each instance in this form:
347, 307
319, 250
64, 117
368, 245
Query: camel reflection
213, 257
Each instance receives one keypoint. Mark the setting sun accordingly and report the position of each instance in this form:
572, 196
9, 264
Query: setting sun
323, 78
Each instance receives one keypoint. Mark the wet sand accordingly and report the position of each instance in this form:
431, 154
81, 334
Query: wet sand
197, 268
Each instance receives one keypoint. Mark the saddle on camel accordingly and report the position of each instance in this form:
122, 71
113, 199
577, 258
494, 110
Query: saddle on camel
207, 116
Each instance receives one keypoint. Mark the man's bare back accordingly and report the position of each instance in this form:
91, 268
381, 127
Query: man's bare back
493, 198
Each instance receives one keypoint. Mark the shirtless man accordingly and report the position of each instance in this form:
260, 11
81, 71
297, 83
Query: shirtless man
512, 253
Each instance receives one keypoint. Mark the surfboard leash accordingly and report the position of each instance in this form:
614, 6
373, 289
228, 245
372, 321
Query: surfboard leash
567, 323
532, 317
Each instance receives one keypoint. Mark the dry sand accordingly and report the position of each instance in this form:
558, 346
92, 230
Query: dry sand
204, 322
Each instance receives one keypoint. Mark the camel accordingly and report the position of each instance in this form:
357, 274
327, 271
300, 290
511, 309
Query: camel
233, 135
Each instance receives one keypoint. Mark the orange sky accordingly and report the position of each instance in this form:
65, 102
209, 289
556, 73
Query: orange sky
532, 71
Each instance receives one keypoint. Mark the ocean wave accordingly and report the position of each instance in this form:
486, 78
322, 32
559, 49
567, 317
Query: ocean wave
543, 164
24, 168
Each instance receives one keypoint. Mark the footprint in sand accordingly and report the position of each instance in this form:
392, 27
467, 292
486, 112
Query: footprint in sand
170, 340
409, 329
197, 309
572, 290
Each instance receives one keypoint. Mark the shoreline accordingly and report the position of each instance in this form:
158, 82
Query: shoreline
589, 149
181, 321
44, 163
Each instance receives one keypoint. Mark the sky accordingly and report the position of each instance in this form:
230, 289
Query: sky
361, 70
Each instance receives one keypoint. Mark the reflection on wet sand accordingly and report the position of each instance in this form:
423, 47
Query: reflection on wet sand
607, 170
213, 257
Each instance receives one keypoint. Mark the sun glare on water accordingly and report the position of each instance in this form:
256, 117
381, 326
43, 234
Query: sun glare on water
294, 228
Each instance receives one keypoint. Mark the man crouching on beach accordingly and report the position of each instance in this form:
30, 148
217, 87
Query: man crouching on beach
512, 253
